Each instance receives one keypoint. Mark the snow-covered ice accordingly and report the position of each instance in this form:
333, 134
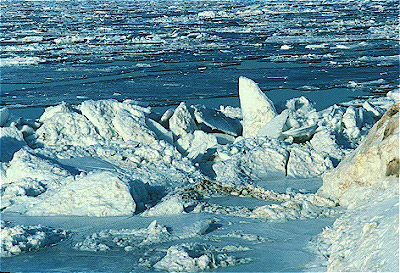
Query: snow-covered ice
184, 185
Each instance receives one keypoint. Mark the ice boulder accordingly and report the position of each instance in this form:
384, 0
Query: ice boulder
372, 166
301, 113
97, 194
182, 121
305, 162
251, 159
11, 140
257, 108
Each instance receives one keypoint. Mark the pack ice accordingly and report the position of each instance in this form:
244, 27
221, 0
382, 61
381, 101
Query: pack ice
111, 158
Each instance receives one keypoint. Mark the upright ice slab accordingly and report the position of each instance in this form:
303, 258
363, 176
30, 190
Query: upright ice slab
257, 108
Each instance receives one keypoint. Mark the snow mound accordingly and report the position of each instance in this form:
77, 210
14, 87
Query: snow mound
195, 257
97, 194
16, 239
256, 107
365, 238
373, 165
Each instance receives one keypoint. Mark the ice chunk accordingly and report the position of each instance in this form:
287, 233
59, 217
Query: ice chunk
170, 205
325, 143
182, 121
64, 126
37, 167
301, 113
223, 139
166, 116
160, 131
194, 258
114, 119
217, 120
257, 108
16, 239
301, 134
251, 159
97, 194
275, 126
11, 140
4, 116
286, 47
197, 144
304, 162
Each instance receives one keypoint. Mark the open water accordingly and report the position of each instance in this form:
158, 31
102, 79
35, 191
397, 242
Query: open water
163, 52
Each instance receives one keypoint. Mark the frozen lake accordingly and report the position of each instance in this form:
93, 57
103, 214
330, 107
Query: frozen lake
163, 52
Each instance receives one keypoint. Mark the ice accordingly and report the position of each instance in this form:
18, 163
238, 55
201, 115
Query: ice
193, 258
366, 237
301, 134
160, 131
305, 162
113, 119
378, 152
275, 127
197, 144
96, 194
257, 108
16, 239
170, 205
286, 47
216, 120
182, 121
11, 140
4, 116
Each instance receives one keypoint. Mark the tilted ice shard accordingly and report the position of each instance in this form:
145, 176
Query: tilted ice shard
182, 121
257, 108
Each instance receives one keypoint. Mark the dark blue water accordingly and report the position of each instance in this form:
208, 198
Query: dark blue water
163, 52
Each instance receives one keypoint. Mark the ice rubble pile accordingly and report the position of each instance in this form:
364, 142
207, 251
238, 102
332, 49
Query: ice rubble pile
108, 158
19, 238
178, 257
366, 237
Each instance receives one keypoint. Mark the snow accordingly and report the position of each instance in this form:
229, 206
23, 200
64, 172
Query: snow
190, 192
257, 108
378, 152
16, 239
366, 236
